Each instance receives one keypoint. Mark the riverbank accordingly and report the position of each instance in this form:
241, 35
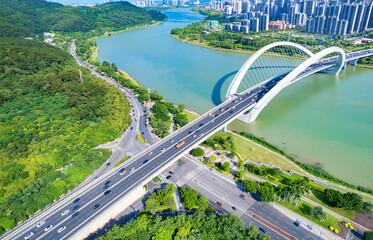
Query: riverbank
197, 43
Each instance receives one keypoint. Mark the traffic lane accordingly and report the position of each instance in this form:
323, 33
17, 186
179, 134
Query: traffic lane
247, 219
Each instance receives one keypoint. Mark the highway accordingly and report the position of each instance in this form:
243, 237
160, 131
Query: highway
141, 168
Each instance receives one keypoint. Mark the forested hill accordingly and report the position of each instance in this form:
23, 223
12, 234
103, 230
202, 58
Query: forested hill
50, 120
25, 18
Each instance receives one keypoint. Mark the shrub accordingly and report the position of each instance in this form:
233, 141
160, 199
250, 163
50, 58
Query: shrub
198, 152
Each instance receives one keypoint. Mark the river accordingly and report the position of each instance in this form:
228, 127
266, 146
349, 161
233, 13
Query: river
323, 119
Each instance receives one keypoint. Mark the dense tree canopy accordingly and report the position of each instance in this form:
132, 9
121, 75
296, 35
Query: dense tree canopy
196, 226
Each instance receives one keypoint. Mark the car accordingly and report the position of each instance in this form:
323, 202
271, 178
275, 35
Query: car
96, 206
75, 214
108, 182
220, 204
107, 192
76, 208
106, 187
131, 128
244, 98
234, 208
150, 153
132, 169
163, 149
108, 164
40, 223
65, 212
262, 229
122, 173
122, 170
168, 177
76, 200
297, 223
48, 227
145, 161
171, 172
227, 108
61, 229
29, 235
172, 141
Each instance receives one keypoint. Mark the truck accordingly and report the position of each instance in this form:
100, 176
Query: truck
180, 143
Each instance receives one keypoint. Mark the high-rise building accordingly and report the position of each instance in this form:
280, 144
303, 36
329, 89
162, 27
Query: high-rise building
264, 21
310, 7
254, 25
320, 22
245, 6
300, 19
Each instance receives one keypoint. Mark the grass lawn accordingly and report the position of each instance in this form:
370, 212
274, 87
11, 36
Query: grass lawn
320, 198
190, 116
125, 158
303, 208
140, 139
248, 150
156, 179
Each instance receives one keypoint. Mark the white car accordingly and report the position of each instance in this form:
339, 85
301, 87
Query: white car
65, 212
40, 223
61, 229
29, 235
48, 227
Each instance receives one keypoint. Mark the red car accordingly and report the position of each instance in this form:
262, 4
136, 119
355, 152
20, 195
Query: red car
220, 204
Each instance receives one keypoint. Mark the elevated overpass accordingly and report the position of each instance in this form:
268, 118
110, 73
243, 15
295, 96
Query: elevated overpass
141, 168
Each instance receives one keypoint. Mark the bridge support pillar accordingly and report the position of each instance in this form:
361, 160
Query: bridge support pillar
225, 129
353, 62
344, 65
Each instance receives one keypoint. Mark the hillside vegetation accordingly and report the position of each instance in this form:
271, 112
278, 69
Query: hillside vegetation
50, 120
24, 18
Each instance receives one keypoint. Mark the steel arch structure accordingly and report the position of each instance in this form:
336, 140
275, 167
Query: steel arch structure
288, 79
241, 73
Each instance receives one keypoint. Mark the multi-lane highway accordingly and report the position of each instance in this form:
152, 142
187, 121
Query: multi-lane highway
99, 195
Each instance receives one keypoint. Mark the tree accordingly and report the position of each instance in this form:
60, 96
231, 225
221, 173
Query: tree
203, 202
170, 188
226, 166
189, 197
317, 213
213, 158
240, 164
251, 186
198, 152
267, 192
152, 203
240, 173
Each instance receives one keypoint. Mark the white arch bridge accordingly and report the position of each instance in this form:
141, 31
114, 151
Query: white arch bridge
277, 65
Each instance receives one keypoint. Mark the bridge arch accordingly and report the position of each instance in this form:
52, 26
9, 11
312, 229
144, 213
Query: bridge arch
288, 79
233, 87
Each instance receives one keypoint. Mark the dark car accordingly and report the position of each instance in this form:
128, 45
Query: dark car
234, 208
75, 214
122, 170
108, 164
168, 177
96, 206
171, 172
107, 192
263, 230
76, 208
106, 187
131, 128
76, 200
108, 182
145, 161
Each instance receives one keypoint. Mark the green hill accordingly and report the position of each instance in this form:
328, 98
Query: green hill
24, 18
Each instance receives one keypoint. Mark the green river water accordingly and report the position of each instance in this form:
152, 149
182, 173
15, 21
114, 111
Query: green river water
322, 119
